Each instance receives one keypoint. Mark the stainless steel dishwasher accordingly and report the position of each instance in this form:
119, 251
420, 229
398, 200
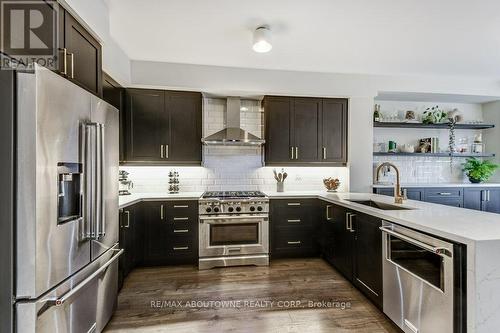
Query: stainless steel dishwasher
419, 283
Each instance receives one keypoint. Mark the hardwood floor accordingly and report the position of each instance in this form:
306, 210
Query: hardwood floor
143, 303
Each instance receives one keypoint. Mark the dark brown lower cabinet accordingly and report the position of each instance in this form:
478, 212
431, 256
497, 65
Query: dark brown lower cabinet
158, 233
293, 228
352, 243
367, 270
171, 232
130, 238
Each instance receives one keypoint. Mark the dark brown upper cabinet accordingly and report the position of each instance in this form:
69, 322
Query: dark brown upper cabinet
79, 54
332, 138
305, 131
83, 56
278, 119
162, 127
113, 93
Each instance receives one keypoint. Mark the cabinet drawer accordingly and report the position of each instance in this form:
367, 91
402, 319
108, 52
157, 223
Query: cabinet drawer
443, 192
286, 239
293, 213
182, 228
182, 207
448, 201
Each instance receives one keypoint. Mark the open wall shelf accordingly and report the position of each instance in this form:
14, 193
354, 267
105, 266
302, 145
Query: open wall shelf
432, 154
431, 126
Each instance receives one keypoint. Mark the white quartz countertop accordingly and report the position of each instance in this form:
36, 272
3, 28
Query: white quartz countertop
458, 224
439, 185
127, 200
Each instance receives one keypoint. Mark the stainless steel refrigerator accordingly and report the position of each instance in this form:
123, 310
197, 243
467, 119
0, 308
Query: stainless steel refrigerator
66, 224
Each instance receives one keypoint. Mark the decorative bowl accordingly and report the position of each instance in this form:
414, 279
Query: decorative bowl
331, 184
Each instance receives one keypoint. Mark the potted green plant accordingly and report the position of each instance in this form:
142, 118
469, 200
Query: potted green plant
478, 171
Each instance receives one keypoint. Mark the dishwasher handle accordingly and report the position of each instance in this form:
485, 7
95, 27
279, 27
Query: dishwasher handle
442, 251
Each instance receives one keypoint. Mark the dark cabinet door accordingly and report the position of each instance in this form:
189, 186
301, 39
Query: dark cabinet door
129, 236
473, 198
333, 131
368, 256
146, 123
486, 199
156, 247
492, 204
278, 129
113, 93
305, 129
184, 110
343, 243
414, 193
84, 55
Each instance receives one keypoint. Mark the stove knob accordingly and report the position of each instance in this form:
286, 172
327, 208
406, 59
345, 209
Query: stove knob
252, 209
259, 208
230, 209
208, 210
238, 209
216, 209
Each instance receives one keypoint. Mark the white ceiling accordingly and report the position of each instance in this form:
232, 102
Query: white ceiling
441, 37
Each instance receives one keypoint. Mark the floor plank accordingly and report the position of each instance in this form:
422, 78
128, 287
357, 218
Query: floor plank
272, 299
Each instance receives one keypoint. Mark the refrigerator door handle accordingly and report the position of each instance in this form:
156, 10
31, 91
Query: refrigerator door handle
101, 154
66, 297
88, 162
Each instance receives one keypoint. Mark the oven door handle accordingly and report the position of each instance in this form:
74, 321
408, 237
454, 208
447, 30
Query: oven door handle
442, 251
233, 219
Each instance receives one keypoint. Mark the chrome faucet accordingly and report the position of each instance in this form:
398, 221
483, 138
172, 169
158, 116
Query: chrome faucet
398, 195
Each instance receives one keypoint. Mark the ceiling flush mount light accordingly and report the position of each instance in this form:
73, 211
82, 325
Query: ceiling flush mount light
262, 40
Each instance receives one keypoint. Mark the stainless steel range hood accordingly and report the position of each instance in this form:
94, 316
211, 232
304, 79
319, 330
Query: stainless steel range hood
233, 134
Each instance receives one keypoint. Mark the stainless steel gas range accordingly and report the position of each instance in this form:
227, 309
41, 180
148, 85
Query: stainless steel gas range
234, 229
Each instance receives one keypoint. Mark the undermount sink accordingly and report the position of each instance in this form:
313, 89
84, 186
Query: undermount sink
380, 205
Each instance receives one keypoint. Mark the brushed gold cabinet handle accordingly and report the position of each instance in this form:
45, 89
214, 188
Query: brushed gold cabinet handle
294, 221
293, 242
161, 212
324, 153
166, 151
161, 151
296, 153
328, 217
181, 248
181, 230
291, 153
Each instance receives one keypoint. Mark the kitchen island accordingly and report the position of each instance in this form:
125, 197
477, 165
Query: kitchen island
479, 231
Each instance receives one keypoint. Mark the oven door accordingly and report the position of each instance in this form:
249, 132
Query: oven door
233, 235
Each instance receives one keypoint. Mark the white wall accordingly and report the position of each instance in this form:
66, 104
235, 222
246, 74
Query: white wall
94, 14
360, 89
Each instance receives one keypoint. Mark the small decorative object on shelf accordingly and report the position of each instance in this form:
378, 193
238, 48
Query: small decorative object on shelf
479, 171
478, 146
331, 184
376, 113
280, 178
407, 148
393, 147
173, 182
454, 117
410, 116
434, 115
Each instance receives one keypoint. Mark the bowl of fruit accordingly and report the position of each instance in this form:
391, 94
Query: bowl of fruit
331, 184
